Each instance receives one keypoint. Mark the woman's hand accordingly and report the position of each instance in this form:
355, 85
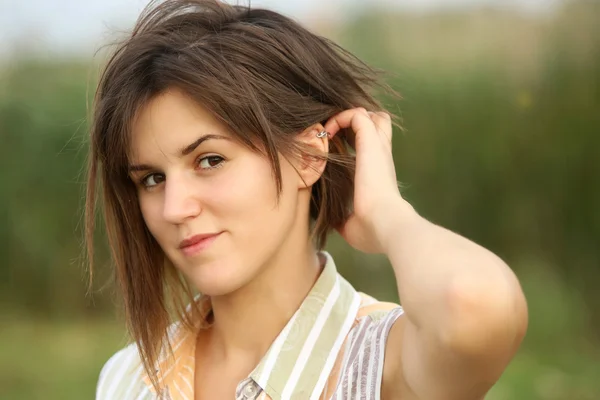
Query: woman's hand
375, 187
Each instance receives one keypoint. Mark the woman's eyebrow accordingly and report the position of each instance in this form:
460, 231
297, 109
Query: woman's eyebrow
183, 152
140, 167
192, 146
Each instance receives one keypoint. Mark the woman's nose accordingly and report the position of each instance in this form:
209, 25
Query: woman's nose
180, 201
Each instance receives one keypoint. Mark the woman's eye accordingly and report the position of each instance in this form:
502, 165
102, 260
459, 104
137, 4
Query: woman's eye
210, 162
152, 180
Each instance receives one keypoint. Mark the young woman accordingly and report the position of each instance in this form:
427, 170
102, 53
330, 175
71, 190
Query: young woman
220, 150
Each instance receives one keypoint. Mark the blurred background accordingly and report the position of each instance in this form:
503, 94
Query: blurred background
501, 104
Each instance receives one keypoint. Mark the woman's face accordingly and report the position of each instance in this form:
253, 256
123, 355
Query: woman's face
210, 203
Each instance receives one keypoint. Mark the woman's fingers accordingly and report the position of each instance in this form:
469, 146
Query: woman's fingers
343, 120
358, 119
383, 122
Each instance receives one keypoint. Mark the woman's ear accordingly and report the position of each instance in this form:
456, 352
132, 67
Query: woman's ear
314, 148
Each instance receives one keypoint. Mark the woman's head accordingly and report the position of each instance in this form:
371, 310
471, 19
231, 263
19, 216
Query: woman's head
195, 179
261, 86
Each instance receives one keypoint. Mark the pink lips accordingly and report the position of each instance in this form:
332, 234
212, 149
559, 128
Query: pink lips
197, 243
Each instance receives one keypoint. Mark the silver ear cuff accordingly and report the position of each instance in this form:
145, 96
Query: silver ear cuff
322, 134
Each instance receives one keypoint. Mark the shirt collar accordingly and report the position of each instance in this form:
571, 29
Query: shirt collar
302, 356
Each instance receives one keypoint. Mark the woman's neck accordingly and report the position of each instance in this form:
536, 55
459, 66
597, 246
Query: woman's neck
247, 321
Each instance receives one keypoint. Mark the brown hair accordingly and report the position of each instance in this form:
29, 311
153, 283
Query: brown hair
264, 77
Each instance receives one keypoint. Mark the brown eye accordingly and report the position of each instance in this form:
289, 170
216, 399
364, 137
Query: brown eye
210, 162
152, 180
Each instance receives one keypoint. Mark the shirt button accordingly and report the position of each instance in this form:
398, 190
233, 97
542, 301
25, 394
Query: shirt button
250, 391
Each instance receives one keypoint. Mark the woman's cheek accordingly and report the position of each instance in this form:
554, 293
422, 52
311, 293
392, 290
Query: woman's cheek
152, 213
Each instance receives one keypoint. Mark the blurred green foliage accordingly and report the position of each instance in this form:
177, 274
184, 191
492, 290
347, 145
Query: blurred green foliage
502, 118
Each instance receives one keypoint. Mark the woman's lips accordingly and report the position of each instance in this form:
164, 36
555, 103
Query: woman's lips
197, 243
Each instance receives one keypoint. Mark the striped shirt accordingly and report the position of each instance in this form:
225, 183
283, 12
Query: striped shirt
332, 348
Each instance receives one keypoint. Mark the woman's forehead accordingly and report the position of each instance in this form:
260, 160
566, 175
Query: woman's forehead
172, 111
173, 121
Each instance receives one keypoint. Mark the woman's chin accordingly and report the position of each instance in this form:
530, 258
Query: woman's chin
216, 279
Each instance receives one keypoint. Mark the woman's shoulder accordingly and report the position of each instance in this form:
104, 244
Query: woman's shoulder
372, 325
373, 322
362, 359
121, 376
375, 310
